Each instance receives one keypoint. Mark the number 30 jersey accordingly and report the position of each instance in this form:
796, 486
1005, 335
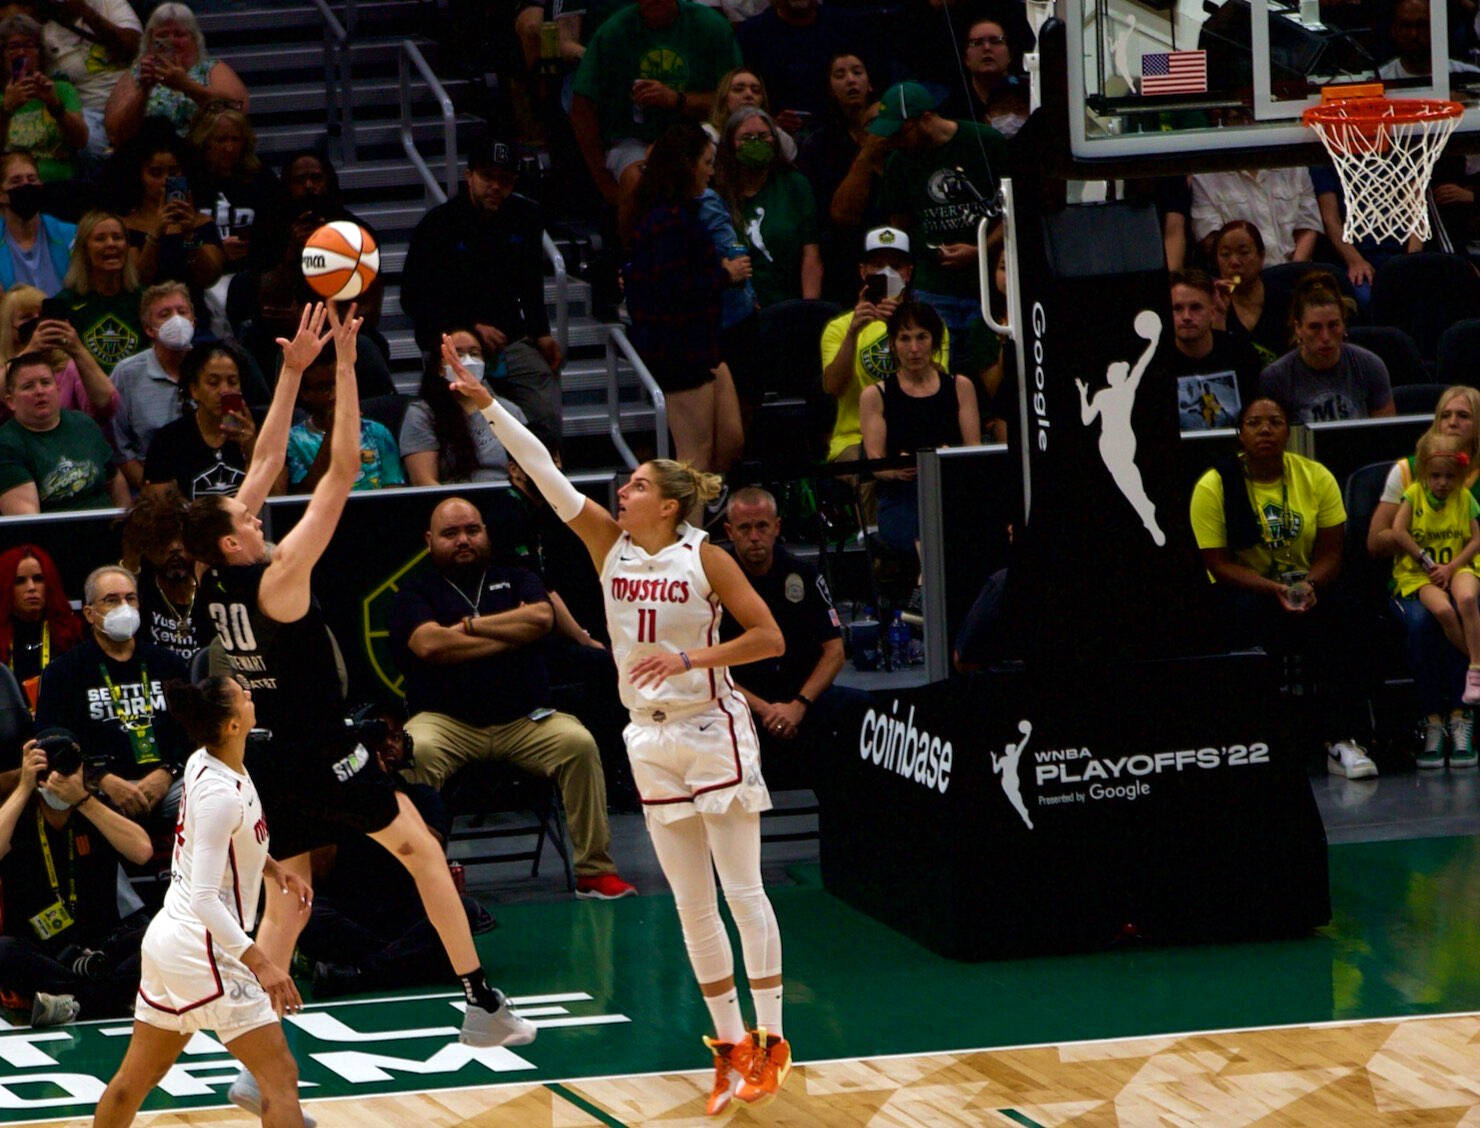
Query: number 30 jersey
662, 602
291, 669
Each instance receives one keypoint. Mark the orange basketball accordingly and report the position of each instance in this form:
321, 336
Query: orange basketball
340, 260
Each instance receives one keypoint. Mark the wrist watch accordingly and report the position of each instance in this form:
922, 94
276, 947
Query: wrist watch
804, 699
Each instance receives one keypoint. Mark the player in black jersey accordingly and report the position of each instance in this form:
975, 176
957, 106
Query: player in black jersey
317, 783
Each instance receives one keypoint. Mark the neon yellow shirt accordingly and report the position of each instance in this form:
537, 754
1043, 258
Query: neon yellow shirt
1442, 531
1290, 512
873, 359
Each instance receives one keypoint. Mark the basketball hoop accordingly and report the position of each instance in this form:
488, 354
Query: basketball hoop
1384, 150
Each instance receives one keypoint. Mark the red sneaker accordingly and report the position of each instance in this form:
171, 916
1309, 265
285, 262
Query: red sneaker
604, 887
770, 1064
731, 1065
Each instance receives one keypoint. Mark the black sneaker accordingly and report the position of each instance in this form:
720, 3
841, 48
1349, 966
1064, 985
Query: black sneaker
334, 979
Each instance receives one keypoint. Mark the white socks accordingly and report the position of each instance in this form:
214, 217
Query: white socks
767, 1008
725, 1011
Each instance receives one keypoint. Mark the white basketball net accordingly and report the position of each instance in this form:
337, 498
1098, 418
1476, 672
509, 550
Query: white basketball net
1385, 161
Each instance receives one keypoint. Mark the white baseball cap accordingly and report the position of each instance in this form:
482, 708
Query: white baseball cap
886, 239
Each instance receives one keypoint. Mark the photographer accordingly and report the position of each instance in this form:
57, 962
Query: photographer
109, 690
64, 945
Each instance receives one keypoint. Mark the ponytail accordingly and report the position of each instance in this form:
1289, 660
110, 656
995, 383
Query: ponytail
680, 482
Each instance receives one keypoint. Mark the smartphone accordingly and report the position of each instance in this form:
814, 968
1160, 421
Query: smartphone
176, 188
18, 68
54, 309
163, 49
875, 288
26, 330
233, 403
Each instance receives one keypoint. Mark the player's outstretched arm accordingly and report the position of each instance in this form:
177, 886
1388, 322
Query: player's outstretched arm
270, 451
284, 594
590, 522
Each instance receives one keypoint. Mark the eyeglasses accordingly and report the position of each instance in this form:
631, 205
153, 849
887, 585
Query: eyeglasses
987, 41
115, 600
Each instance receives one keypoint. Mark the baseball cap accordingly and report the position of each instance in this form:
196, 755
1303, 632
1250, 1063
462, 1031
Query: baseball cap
886, 239
485, 152
902, 101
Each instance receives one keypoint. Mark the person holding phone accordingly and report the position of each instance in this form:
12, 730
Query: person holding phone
30, 320
207, 450
172, 78
40, 115
168, 238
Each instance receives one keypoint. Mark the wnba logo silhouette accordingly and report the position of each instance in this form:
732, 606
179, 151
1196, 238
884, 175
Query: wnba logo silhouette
1006, 766
1113, 405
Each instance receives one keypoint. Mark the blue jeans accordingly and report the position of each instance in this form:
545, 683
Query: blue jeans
1438, 668
962, 316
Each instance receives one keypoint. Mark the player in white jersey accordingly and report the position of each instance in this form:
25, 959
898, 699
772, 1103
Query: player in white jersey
691, 742
200, 969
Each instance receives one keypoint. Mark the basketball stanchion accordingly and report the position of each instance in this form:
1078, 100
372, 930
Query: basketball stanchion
1384, 150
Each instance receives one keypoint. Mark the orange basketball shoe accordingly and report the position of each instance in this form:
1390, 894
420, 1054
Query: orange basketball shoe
731, 1067
770, 1062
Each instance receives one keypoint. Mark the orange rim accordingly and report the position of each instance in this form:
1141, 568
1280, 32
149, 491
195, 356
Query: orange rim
1374, 111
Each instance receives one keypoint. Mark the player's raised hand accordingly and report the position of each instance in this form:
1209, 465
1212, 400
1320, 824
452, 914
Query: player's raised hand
462, 382
346, 332
308, 342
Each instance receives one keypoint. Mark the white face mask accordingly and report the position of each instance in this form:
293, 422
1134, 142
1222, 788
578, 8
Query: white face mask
894, 284
52, 801
177, 332
121, 623
474, 365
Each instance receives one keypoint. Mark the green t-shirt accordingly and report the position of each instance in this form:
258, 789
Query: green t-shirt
33, 130
71, 464
778, 221
945, 191
689, 56
108, 326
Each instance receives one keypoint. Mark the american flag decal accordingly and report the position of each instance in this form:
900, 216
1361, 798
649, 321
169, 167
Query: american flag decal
1174, 72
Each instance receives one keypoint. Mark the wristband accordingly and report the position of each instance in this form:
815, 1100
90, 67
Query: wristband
804, 699
687, 662
467, 624
85, 797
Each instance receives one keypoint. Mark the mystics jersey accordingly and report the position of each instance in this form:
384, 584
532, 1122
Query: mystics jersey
291, 668
662, 602
220, 850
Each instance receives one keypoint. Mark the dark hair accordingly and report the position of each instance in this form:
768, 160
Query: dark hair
457, 454
201, 708
26, 360
1260, 397
1318, 288
1195, 279
921, 316
206, 522
152, 523
668, 174
195, 362
1238, 225
124, 178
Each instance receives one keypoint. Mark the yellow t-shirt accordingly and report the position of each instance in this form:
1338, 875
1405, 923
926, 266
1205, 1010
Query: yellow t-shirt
872, 361
1289, 511
1442, 531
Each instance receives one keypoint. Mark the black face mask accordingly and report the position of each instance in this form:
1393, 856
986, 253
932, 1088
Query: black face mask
25, 199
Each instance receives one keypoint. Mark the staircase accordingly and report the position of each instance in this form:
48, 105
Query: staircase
279, 50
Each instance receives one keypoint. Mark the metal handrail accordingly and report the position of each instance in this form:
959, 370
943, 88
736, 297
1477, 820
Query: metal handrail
562, 291
410, 55
616, 340
339, 105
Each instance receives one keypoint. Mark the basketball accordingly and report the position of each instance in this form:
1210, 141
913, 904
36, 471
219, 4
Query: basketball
340, 260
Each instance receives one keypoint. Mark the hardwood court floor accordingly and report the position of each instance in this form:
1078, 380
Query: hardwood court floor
1380, 1014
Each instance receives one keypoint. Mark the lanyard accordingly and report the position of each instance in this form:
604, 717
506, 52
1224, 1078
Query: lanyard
477, 592
128, 720
45, 647
51, 869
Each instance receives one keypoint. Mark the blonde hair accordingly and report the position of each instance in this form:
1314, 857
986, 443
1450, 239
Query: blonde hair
21, 297
1435, 447
158, 292
213, 115
79, 274
1471, 396
680, 482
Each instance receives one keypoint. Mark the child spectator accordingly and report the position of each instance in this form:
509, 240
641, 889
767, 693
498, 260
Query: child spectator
1438, 536
308, 454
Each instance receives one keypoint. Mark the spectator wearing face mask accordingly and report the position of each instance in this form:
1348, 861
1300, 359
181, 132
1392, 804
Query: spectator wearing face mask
148, 382
34, 248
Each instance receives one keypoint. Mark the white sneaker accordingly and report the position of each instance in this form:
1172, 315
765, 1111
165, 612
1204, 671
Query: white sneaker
500, 1027
53, 1010
1348, 758
245, 1094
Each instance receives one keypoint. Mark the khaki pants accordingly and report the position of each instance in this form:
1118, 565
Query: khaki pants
558, 747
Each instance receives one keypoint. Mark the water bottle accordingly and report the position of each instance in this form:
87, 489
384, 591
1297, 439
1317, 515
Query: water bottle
899, 642
864, 635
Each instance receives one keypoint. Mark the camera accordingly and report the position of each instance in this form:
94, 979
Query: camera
63, 753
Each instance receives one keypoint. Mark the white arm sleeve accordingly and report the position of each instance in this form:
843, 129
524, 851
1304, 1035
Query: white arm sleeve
215, 815
530, 453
